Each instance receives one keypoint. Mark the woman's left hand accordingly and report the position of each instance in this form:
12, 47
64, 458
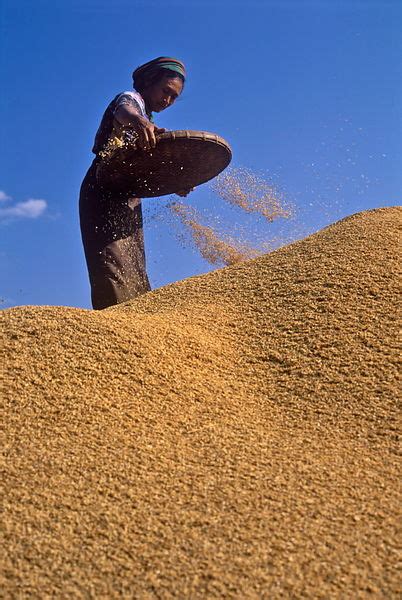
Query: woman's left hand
184, 193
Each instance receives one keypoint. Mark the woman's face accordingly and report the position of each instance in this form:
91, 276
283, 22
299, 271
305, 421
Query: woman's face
161, 95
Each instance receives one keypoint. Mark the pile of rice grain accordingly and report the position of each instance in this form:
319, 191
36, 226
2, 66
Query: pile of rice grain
230, 436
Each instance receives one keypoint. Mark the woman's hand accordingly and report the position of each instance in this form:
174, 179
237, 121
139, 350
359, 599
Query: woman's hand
184, 193
146, 131
127, 116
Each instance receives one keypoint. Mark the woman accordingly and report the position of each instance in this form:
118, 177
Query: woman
111, 224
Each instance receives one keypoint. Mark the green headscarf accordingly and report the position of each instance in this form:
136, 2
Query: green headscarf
162, 62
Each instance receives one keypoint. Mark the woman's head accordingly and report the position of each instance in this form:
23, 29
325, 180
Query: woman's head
160, 82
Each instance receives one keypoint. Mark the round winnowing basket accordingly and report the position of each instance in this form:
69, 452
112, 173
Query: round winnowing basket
180, 160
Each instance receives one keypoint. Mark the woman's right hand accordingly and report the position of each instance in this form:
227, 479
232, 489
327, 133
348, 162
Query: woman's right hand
146, 132
128, 117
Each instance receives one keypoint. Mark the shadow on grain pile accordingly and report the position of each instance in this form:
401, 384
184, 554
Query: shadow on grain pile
229, 436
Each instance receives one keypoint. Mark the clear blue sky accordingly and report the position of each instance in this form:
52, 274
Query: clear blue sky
307, 93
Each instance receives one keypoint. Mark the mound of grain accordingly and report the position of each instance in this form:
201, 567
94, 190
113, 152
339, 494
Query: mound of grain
229, 436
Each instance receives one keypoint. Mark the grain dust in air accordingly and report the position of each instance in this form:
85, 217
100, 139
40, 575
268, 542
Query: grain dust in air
242, 189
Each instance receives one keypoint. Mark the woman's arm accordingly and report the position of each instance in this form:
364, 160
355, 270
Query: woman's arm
128, 116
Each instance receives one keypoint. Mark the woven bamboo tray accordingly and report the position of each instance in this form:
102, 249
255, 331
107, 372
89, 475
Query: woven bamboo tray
181, 160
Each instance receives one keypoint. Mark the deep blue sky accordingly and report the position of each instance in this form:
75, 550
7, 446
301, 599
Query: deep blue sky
308, 93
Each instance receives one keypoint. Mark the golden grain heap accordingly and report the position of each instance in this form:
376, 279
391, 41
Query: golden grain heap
233, 435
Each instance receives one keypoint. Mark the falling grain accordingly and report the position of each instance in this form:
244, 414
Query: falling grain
243, 188
214, 248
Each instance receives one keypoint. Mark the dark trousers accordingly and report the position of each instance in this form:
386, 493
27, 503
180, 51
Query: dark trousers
113, 239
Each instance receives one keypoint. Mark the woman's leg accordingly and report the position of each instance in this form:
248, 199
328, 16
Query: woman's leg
113, 238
